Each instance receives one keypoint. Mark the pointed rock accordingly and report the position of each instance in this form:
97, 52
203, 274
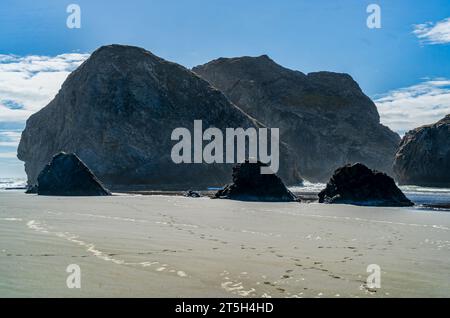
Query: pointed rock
67, 175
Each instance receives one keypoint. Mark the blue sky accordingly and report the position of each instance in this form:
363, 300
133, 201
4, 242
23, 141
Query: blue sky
404, 66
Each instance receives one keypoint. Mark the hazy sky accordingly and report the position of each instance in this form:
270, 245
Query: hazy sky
404, 66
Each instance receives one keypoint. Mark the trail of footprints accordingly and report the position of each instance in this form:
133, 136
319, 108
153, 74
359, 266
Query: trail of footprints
288, 284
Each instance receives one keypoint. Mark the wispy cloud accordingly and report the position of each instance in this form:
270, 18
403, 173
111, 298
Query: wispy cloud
433, 33
29, 83
410, 107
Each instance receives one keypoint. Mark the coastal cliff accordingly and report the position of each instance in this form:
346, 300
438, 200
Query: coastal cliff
117, 111
324, 117
423, 157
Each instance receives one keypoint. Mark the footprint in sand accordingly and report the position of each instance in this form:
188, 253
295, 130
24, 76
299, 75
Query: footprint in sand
237, 288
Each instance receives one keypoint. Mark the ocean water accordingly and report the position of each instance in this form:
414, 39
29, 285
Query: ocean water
309, 187
419, 195
6, 183
423, 195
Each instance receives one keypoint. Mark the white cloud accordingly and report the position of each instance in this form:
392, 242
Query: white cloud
9, 138
433, 33
32, 82
27, 84
410, 107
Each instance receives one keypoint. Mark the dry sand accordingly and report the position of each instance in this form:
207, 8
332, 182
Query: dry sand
165, 246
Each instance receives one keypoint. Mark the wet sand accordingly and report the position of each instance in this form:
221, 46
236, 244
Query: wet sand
171, 246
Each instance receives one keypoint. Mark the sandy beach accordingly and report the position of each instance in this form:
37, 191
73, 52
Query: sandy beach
169, 246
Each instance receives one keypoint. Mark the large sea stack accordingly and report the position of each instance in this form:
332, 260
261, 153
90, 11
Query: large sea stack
323, 116
249, 184
117, 112
423, 157
67, 175
357, 184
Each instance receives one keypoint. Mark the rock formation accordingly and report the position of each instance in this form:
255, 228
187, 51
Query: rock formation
117, 112
250, 185
423, 157
192, 194
67, 175
31, 189
324, 117
356, 184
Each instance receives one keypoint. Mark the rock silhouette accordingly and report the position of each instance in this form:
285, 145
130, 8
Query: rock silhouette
192, 194
32, 189
67, 175
357, 184
250, 185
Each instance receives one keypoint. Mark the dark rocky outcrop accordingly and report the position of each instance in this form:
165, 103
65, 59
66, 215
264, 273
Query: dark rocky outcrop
423, 157
117, 112
356, 184
192, 194
32, 189
324, 117
67, 175
250, 185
